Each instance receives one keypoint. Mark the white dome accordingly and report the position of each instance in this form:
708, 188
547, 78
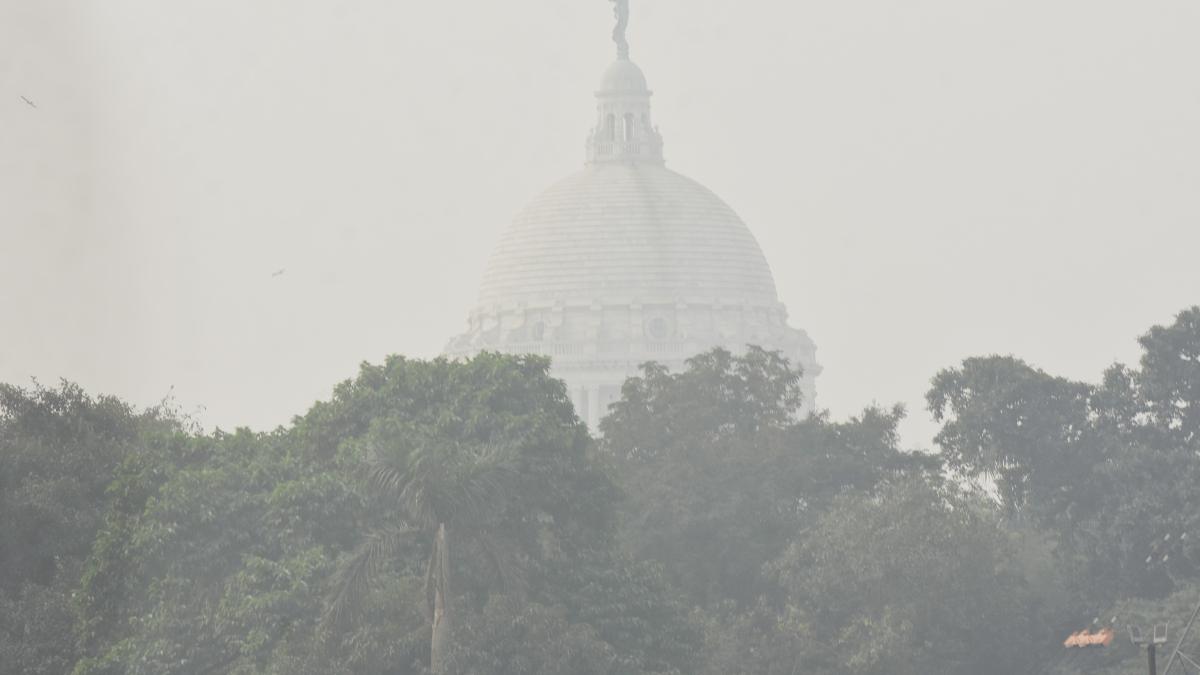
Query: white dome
623, 76
626, 262
627, 232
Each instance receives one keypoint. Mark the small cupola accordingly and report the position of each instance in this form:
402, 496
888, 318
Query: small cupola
624, 131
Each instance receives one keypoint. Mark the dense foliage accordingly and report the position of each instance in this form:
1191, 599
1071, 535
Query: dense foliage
456, 517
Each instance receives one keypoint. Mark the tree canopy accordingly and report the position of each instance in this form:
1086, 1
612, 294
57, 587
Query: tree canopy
456, 517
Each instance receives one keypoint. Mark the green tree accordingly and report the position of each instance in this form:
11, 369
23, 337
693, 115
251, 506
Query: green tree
721, 474
59, 448
440, 488
1110, 469
1132, 531
515, 636
1006, 422
530, 508
916, 579
1168, 382
218, 551
212, 557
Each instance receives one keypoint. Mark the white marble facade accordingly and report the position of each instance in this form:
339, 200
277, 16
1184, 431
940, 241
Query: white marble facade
625, 262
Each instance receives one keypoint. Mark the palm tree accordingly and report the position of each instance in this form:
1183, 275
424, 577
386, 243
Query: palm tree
441, 488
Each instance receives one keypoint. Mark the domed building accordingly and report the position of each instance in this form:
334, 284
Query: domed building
627, 261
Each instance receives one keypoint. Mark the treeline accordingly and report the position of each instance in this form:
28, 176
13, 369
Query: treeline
457, 518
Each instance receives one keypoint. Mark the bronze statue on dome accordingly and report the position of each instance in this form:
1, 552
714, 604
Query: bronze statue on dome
621, 11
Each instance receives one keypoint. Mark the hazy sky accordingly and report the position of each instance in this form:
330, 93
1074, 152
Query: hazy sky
929, 180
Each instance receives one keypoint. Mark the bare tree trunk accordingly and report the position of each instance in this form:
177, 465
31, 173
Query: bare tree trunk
440, 568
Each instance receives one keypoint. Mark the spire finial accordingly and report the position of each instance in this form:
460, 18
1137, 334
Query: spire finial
621, 10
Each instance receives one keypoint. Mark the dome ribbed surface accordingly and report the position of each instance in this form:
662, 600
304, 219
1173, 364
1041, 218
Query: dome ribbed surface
627, 233
623, 76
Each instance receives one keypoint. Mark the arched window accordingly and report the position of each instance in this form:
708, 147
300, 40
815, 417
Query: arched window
630, 129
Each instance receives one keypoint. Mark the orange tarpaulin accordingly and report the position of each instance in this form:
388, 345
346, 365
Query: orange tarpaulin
1101, 638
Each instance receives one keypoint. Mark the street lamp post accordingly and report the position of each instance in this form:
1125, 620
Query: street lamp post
1150, 641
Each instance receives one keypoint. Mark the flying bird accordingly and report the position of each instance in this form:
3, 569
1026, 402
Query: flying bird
278, 273
31, 103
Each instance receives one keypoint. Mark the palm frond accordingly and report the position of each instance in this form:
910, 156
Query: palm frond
353, 580
445, 483
387, 476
